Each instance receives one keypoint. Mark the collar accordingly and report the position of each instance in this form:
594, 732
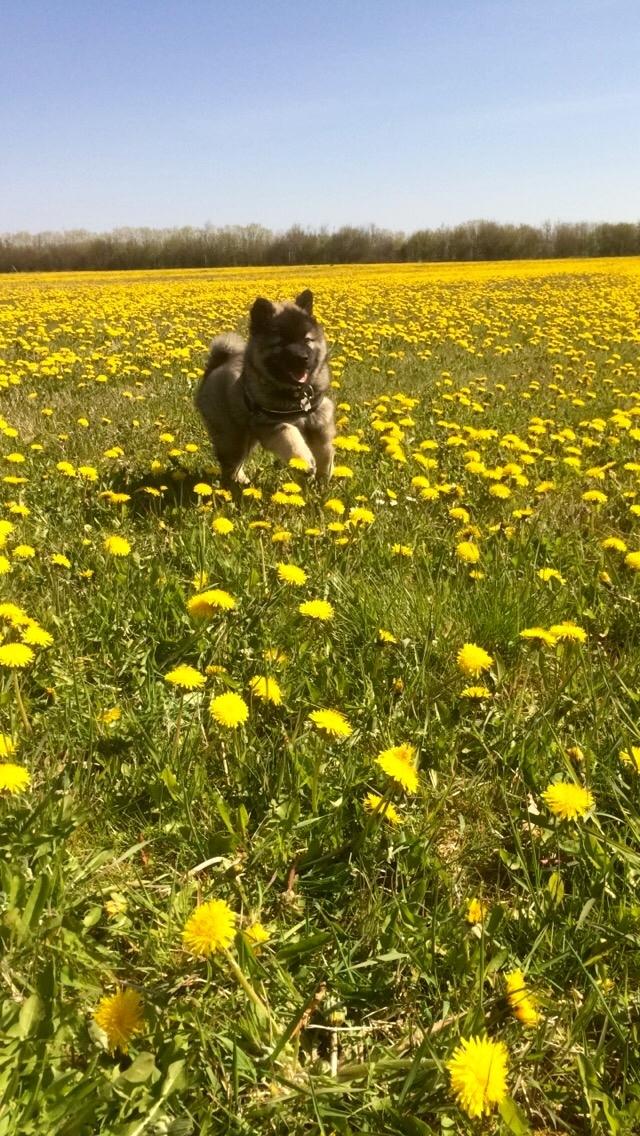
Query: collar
307, 404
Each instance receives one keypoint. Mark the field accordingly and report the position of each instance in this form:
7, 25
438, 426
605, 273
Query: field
416, 820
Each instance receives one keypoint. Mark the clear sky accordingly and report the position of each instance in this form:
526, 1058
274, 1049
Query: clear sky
404, 113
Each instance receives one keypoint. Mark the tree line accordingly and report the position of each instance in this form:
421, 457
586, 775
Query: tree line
244, 245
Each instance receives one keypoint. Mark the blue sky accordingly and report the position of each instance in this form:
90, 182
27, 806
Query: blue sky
407, 114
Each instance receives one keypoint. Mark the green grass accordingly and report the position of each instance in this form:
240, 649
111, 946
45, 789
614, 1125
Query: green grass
372, 973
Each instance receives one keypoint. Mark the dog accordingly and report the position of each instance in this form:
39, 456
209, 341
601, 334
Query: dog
271, 389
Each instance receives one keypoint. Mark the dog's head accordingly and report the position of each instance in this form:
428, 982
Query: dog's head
287, 338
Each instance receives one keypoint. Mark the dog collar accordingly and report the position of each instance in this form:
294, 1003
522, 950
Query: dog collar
306, 405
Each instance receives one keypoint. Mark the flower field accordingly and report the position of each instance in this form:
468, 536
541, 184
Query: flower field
320, 812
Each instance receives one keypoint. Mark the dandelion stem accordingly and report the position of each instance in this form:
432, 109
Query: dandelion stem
21, 707
176, 739
249, 990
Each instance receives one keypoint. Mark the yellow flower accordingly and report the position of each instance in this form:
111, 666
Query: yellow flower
402, 550
476, 692
520, 1001
468, 552
568, 800
499, 490
539, 633
256, 934
476, 911
222, 526
317, 609
291, 574
229, 709
207, 602
36, 636
374, 803
472, 660
568, 630
550, 574
5, 565
595, 496
201, 489
342, 471
632, 560
60, 560
360, 516
266, 688
332, 722
614, 543
478, 1070
108, 717
120, 1016
117, 546
24, 552
398, 762
187, 677
629, 756
13, 778
89, 472
386, 636
7, 745
15, 655
210, 928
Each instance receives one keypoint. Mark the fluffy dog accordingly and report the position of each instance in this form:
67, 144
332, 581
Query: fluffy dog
271, 389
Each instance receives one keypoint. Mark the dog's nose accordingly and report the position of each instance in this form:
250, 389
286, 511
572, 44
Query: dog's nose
298, 351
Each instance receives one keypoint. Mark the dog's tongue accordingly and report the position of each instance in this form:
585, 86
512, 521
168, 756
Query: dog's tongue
303, 377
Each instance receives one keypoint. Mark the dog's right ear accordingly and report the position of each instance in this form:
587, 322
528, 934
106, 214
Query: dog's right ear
261, 315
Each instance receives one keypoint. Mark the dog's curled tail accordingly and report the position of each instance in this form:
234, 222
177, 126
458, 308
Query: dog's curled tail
224, 348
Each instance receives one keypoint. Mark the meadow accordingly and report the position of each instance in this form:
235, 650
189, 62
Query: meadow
319, 812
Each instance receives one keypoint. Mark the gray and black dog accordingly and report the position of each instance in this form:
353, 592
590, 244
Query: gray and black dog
271, 389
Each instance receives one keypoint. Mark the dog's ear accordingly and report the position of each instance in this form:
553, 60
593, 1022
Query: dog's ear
261, 314
305, 301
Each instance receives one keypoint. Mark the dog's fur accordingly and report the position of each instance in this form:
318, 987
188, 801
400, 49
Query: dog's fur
271, 389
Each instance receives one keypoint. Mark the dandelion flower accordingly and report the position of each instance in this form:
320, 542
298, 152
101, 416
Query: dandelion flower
7, 745
15, 655
632, 560
521, 1002
476, 692
24, 552
222, 526
568, 800
266, 689
201, 489
13, 778
291, 574
317, 609
5, 565
60, 560
473, 660
539, 633
331, 722
37, 636
629, 756
120, 1016
385, 636
374, 803
398, 762
210, 928
476, 912
614, 543
186, 677
468, 552
568, 630
257, 934
547, 574
208, 602
229, 709
478, 1070
117, 546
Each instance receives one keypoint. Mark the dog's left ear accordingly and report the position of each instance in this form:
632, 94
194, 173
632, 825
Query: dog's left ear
305, 301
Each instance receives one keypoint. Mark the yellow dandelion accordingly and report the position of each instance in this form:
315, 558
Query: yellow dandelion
632, 560
229, 709
629, 756
266, 689
468, 552
7, 745
539, 633
331, 722
257, 934
477, 692
37, 636
374, 803
317, 609
201, 489
60, 560
15, 655
120, 1016
568, 630
117, 546
13, 778
547, 574
5, 565
477, 911
207, 603
472, 659
291, 574
186, 677
23, 552
521, 1002
398, 762
568, 800
478, 1070
210, 928
222, 526
614, 543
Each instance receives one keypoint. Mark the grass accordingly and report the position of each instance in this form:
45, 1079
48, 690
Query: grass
141, 806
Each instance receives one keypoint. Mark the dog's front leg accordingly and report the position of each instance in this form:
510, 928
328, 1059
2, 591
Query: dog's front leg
286, 442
